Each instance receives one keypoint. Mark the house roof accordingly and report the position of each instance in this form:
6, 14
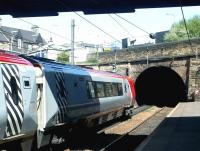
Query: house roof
25, 35
30, 8
3, 38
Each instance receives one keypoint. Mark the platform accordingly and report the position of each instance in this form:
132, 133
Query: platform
180, 131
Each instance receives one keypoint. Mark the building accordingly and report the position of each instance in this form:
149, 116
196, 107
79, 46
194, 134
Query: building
81, 51
19, 40
50, 51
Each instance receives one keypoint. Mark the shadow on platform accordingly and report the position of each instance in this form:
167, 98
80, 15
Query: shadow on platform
174, 134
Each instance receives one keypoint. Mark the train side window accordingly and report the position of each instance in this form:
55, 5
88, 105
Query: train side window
114, 89
14, 90
108, 89
100, 89
90, 90
120, 90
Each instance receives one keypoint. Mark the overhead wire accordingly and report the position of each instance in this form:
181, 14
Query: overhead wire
25, 48
44, 29
150, 34
3, 35
185, 24
121, 26
88, 21
15, 45
80, 17
10, 34
83, 19
131, 23
51, 31
61, 35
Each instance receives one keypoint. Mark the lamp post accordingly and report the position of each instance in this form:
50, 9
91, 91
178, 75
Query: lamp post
72, 41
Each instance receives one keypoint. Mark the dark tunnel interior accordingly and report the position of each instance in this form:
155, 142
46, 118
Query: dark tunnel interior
160, 86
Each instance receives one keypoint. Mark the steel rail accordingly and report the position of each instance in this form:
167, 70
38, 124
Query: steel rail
127, 133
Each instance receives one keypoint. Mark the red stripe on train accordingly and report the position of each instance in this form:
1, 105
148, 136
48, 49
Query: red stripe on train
131, 83
11, 58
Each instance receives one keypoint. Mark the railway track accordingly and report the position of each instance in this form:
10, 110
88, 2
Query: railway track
115, 135
131, 139
114, 123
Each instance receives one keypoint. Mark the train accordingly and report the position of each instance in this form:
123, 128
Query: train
40, 97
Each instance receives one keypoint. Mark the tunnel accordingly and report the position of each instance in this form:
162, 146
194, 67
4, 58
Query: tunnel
160, 86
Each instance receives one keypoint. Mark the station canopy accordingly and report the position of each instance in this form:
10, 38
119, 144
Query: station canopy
32, 8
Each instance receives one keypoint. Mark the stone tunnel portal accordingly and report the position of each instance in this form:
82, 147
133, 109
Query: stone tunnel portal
160, 86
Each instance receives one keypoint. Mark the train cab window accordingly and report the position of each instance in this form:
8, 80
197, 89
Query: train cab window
27, 84
108, 89
114, 89
120, 90
100, 89
14, 90
90, 90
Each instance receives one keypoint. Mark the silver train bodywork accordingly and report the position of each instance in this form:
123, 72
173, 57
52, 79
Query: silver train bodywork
18, 112
63, 97
51, 95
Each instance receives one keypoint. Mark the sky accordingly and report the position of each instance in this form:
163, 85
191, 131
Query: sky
150, 20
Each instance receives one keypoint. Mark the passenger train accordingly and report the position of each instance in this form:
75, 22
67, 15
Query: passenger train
41, 96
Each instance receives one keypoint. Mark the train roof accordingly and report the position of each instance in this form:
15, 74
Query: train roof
12, 59
39, 61
48, 63
105, 73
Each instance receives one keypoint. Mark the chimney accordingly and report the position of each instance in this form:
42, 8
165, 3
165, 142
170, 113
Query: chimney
51, 39
35, 29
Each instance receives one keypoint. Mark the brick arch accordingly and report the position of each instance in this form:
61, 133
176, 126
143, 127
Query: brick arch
160, 86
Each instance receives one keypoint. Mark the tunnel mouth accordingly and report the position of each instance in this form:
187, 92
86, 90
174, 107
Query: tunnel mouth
160, 86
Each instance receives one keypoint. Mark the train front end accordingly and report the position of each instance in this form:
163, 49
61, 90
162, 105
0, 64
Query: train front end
18, 111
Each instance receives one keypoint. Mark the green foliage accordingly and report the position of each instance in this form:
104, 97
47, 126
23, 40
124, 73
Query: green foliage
178, 31
63, 57
92, 57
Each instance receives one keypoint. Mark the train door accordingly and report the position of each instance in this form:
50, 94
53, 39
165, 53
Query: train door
13, 99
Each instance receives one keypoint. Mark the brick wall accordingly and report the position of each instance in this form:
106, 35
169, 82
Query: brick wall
153, 51
187, 68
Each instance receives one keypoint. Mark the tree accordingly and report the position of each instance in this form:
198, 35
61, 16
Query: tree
63, 57
178, 30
